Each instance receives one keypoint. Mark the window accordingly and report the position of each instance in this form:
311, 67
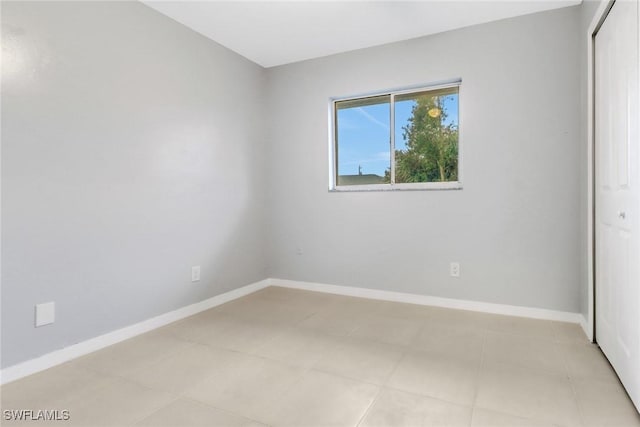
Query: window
405, 139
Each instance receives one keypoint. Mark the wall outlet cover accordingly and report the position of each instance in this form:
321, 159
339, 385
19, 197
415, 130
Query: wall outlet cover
195, 273
454, 269
45, 314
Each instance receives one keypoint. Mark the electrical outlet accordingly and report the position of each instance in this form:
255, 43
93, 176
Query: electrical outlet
45, 314
195, 273
454, 269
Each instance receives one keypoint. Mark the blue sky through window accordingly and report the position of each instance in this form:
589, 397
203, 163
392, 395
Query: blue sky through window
363, 139
363, 134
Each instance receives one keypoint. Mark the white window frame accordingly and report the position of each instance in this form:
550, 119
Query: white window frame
333, 141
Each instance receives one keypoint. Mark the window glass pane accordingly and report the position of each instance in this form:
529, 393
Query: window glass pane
363, 141
426, 136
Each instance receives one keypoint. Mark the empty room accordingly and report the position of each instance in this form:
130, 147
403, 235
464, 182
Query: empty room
320, 213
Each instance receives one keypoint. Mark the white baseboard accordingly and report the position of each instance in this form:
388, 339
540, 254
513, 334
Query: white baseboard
63, 355
586, 328
485, 307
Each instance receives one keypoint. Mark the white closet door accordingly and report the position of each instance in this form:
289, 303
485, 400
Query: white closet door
617, 189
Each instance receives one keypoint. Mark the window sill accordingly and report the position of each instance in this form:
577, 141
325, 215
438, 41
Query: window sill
427, 186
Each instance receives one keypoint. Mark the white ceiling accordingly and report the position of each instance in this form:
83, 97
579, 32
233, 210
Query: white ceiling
273, 33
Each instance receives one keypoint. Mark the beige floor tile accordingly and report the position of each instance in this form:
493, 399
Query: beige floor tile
397, 408
292, 357
321, 399
569, 333
605, 404
315, 301
362, 360
189, 413
359, 307
521, 326
386, 329
458, 342
235, 333
528, 352
272, 311
191, 328
182, 369
298, 347
133, 354
486, 418
117, 403
587, 361
405, 311
446, 378
450, 318
50, 388
527, 393
332, 323
248, 386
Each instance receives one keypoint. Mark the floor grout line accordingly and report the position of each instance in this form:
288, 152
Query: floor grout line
373, 402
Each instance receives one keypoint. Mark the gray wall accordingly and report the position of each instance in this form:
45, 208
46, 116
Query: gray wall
132, 149
514, 227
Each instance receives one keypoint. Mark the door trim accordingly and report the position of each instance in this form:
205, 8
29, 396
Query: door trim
601, 13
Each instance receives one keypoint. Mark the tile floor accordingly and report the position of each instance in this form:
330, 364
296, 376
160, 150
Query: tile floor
283, 357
